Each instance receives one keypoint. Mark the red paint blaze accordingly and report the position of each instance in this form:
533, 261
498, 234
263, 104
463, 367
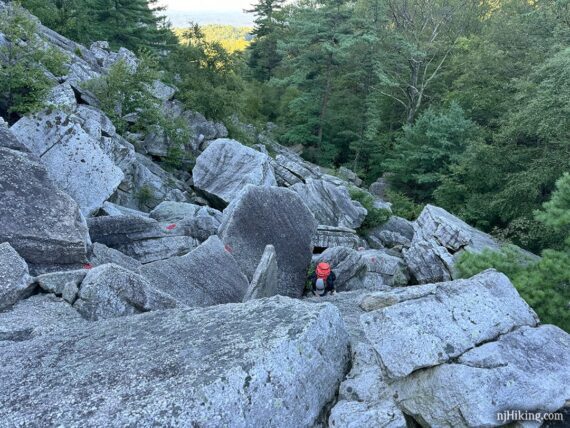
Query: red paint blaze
171, 227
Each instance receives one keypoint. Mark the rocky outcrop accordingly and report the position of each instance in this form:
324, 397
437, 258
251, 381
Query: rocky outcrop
110, 291
38, 315
281, 219
525, 370
396, 233
43, 224
62, 284
102, 255
428, 331
347, 265
438, 240
67, 150
15, 281
265, 282
200, 222
330, 204
226, 167
349, 175
254, 364
143, 239
384, 269
207, 276
330, 236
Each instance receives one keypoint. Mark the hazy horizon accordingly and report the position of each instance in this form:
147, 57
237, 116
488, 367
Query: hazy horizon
230, 12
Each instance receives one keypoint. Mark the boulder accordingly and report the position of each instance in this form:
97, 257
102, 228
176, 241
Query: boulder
207, 276
265, 282
201, 222
15, 281
355, 414
143, 239
349, 175
525, 370
35, 316
58, 282
433, 329
61, 97
384, 269
383, 299
253, 364
379, 187
68, 151
226, 167
102, 255
438, 241
8, 140
271, 216
330, 204
330, 236
395, 233
162, 91
110, 291
43, 224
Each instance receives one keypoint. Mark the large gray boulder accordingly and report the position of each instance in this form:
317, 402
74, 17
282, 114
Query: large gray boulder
35, 316
271, 216
395, 233
331, 204
143, 239
110, 291
330, 236
265, 282
428, 331
15, 281
201, 222
43, 224
226, 166
102, 255
526, 370
269, 362
384, 269
439, 239
207, 276
73, 158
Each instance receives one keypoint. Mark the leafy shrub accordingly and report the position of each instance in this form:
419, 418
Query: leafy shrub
145, 196
403, 206
375, 216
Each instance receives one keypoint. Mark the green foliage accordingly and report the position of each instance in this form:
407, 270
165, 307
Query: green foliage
24, 83
403, 206
232, 39
145, 196
375, 216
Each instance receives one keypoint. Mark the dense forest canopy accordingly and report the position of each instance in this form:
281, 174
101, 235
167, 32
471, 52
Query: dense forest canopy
461, 103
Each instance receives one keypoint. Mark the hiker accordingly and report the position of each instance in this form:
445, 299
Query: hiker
322, 280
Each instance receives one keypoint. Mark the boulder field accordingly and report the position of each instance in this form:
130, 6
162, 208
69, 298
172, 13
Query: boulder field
188, 309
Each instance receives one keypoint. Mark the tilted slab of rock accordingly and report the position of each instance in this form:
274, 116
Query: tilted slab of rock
265, 282
431, 330
143, 239
207, 276
43, 224
383, 299
102, 255
388, 269
226, 167
330, 204
439, 238
15, 281
525, 370
395, 233
200, 222
73, 158
60, 282
111, 291
8, 139
35, 316
356, 414
269, 362
330, 236
271, 216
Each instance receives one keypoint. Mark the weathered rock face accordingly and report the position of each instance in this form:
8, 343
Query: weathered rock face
43, 224
110, 291
384, 269
15, 281
143, 239
330, 204
349, 176
73, 158
200, 222
281, 219
38, 315
524, 370
347, 265
431, 330
226, 167
102, 255
396, 233
439, 238
265, 282
220, 366
329, 236
62, 284
207, 276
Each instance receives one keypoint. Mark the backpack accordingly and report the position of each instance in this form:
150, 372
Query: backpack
323, 271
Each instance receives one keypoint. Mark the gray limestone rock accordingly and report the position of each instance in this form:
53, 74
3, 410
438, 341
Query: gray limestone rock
526, 370
226, 166
15, 280
265, 282
428, 331
280, 219
207, 276
43, 224
330, 204
111, 291
102, 255
269, 362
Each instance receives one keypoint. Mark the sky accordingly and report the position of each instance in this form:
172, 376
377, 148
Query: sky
207, 5
180, 12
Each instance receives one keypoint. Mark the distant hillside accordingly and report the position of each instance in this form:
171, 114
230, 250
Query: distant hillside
232, 38
236, 18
